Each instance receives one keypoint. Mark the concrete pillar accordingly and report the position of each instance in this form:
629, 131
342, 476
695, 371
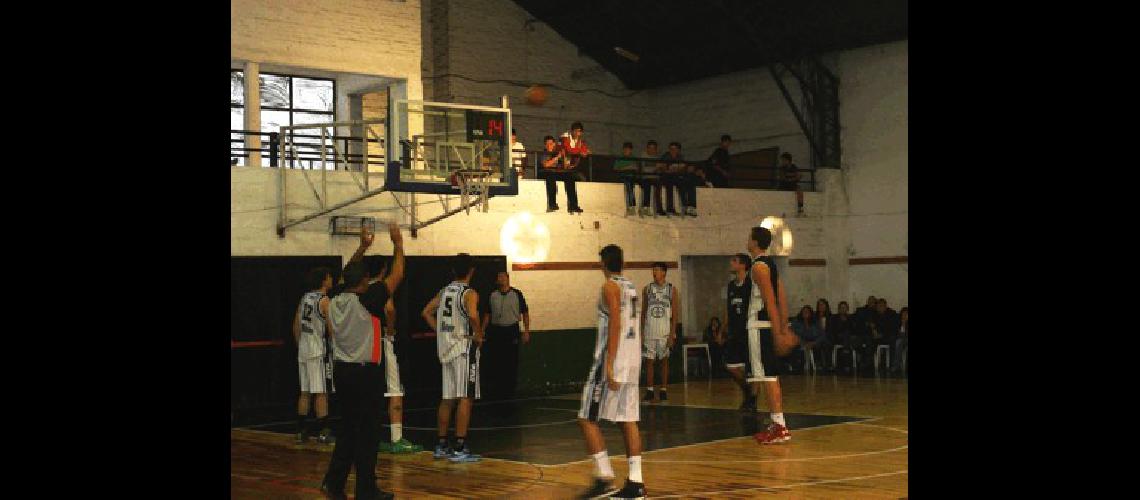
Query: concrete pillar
253, 111
837, 235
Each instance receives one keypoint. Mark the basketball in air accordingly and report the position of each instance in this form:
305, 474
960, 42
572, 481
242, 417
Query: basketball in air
536, 95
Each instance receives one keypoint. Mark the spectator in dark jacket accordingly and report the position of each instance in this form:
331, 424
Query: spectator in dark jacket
808, 331
841, 330
884, 326
902, 339
715, 341
823, 319
717, 173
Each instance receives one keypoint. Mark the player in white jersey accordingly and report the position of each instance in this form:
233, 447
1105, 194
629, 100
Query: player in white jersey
769, 333
610, 391
662, 313
310, 326
453, 314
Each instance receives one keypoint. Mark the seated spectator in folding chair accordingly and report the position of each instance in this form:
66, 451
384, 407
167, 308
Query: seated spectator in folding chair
714, 337
902, 339
840, 331
809, 333
629, 171
823, 319
885, 327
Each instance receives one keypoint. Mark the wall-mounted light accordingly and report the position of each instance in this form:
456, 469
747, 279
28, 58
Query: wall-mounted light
525, 238
782, 240
627, 54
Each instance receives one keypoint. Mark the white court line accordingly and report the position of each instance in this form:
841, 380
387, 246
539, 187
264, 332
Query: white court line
871, 419
786, 486
881, 427
523, 426
434, 408
807, 459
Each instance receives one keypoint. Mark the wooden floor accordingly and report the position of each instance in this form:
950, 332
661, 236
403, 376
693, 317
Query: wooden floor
855, 459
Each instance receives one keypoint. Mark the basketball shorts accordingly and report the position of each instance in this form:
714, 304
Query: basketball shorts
312, 375
601, 402
391, 370
654, 348
755, 352
461, 375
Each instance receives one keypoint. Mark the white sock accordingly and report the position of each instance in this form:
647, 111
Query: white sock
602, 467
635, 469
778, 418
397, 432
650, 389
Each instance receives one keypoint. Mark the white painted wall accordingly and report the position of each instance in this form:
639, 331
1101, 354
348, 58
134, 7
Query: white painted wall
862, 211
367, 37
553, 295
487, 40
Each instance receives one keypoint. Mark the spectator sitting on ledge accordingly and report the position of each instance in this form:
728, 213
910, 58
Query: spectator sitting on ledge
717, 171
627, 169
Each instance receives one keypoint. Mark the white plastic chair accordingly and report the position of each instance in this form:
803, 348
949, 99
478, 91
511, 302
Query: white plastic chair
685, 358
879, 355
809, 360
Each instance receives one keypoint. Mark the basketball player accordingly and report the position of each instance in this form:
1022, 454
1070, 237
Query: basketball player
661, 303
356, 325
309, 331
395, 389
458, 338
610, 391
736, 358
769, 333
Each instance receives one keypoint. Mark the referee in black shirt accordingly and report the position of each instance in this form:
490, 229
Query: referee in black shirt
504, 308
359, 376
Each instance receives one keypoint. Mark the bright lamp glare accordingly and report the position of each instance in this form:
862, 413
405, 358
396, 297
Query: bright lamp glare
524, 238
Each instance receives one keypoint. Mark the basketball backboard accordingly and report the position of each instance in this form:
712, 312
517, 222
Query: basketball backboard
429, 142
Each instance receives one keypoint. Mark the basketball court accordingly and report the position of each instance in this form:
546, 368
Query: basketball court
382, 147
850, 441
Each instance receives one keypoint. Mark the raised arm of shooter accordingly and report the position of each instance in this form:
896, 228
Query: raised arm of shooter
397, 274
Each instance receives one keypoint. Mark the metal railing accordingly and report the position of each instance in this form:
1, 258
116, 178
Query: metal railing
601, 168
305, 151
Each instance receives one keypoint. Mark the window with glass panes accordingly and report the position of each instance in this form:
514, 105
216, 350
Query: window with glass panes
285, 100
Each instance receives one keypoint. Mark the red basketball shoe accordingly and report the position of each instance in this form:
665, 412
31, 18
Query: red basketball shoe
775, 433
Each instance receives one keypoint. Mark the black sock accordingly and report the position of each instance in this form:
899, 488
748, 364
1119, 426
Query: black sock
443, 441
321, 424
460, 443
301, 423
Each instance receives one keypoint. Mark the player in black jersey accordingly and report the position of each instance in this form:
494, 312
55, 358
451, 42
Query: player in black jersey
770, 335
735, 330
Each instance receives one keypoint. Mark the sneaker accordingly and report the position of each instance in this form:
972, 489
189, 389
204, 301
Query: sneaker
631, 491
672, 213
775, 433
692, 211
404, 446
664, 396
602, 488
575, 210
326, 437
329, 493
646, 212
463, 456
441, 452
552, 208
648, 396
662, 213
384, 447
630, 211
